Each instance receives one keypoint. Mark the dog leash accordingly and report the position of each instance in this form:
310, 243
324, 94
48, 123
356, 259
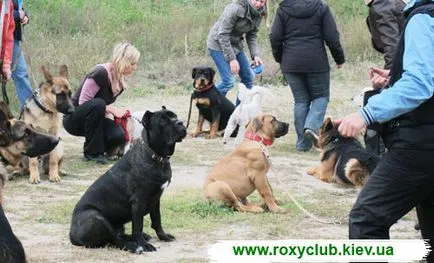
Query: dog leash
189, 110
314, 217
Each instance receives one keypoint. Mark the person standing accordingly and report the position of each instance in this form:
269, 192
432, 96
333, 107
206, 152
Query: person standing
404, 177
94, 100
298, 34
240, 20
20, 74
385, 22
7, 37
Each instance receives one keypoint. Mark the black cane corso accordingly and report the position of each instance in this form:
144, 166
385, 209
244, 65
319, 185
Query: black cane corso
213, 106
130, 190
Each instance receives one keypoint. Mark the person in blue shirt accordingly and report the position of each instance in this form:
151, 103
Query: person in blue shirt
404, 178
20, 74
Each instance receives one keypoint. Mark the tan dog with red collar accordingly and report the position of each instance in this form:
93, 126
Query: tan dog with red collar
245, 169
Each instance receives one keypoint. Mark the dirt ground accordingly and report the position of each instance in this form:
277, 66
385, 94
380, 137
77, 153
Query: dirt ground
47, 240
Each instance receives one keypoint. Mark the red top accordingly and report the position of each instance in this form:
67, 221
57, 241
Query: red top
8, 36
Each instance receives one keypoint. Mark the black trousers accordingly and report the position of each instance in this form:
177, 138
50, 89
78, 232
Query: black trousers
89, 120
403, 179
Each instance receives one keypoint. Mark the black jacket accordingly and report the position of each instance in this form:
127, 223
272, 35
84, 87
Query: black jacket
100, 75
385, 23
297, 37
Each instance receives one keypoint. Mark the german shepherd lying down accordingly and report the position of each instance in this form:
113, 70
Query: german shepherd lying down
343, 159
17, 140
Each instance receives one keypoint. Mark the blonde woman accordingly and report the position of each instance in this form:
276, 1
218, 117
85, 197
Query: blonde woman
94, 101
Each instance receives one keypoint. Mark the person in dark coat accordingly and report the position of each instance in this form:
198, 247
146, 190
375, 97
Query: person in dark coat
404, 177
385, 22
299, 33
94, 104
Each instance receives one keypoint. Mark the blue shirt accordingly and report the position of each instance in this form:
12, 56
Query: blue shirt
416, 84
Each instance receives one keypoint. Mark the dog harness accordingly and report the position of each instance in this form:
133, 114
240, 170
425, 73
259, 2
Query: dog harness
255, 137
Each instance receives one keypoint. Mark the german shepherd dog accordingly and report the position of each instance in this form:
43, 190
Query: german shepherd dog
213, 106
343, 160
17, 140
42, 110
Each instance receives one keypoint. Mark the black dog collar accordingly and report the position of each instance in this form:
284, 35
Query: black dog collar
156, 157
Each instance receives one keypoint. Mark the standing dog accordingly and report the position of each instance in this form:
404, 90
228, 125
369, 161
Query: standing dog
130, 190
343, 159
249, 108
212, 106
244, 170
17, 139
42, 110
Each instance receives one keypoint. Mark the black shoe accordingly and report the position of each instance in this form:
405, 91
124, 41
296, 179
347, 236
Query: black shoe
311, 136
98, 158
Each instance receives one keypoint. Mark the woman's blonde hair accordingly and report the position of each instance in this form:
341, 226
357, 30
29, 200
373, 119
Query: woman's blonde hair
124, 54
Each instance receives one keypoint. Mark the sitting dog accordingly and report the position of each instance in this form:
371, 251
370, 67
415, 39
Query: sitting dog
343, 160
130, 190
42, 110
212, 106
17, 139
244, 170
249, 108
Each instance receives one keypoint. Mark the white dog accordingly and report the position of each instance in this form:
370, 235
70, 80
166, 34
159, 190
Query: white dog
248, 109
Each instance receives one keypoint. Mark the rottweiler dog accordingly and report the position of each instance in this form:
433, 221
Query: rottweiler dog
343, 160
17, 139
213, 106
130, 190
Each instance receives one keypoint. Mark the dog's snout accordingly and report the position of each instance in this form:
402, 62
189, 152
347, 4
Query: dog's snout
179, 123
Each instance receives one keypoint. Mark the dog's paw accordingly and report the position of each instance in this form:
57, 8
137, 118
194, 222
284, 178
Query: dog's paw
34, 179
55, 178
146, 236
311, 171
195, 134
277, 210
145, 247
165, 237
211, 136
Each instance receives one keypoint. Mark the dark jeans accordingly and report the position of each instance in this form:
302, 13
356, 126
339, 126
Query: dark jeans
89, 120
403, 179
311, 92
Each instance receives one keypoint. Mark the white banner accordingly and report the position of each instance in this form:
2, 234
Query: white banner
319, 251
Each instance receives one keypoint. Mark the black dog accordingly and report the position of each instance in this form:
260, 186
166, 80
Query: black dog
130, 190
213, 106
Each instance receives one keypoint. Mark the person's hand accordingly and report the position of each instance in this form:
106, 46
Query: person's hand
339, 65
257, 61
6, 69
235, 66
22, 14
379, 77
25, 20
116, 112
351, 125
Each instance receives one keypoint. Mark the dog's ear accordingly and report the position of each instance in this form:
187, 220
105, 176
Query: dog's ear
328, 124
193, 72
163, 107
47, 75
146, 119
257, 123
211, 74
7, 114
63, 71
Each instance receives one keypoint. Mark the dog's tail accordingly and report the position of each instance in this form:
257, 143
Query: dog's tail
189, 110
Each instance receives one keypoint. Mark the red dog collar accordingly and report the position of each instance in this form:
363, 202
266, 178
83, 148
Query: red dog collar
254, 137
204, 88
